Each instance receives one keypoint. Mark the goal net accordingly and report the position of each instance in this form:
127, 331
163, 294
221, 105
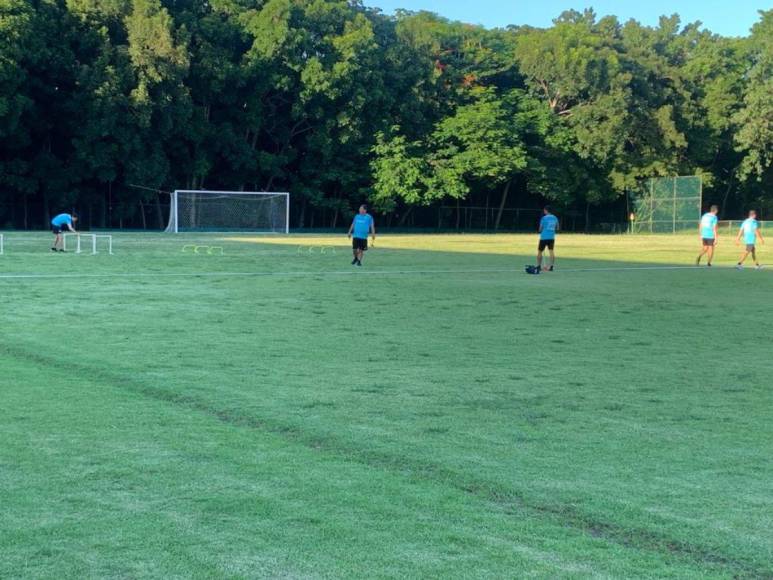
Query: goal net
667, 205
229, 211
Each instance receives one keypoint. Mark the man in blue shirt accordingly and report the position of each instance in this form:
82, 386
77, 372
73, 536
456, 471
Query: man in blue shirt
708, 233
62, 222
362, 225
548, 226
750, 230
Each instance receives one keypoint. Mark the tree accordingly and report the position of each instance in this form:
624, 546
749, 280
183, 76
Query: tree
159, 101
755, 120
16, 28
337, 102
479, 143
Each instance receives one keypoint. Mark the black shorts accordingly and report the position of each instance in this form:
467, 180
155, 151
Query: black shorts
750, 247
360, 244
549, 244
58, 229
709, 242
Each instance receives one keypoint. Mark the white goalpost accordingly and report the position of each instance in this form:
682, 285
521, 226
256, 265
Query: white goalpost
229, 211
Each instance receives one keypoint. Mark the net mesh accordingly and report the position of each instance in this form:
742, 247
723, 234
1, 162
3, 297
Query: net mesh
667, 204
208, 211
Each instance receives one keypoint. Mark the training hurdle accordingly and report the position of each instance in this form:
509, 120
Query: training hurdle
93, 237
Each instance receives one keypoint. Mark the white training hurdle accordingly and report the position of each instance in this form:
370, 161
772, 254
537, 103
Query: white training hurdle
93, 237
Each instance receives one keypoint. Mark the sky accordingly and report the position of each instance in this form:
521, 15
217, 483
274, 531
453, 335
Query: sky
726, 17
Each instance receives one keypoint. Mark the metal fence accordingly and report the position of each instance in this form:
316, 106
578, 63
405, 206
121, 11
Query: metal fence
667, 205
485, 218
732, 226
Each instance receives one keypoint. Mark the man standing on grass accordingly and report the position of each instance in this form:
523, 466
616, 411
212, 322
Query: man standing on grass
708, 233
362, 225
548, 226
58, 225
750, 230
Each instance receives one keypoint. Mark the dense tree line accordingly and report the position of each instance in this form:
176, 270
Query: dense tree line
339, 103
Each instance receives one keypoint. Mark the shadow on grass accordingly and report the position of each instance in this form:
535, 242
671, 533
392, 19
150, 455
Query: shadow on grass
159, 255
288, 263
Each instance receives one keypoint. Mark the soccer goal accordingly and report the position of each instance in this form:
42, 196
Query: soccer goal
229, 211
667, 205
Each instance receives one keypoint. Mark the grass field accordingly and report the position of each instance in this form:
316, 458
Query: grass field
275, 412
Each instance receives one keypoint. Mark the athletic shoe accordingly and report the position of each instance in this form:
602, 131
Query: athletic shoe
708, 265
54, 249
354, 262
550, 269
359, 263
739, 267
62, 251
759, 267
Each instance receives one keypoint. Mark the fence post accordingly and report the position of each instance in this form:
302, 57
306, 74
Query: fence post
673, 208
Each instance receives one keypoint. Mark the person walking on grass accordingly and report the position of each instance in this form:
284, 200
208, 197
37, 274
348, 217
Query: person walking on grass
62, 222
362, 225
750, 230
548, 226
708, 233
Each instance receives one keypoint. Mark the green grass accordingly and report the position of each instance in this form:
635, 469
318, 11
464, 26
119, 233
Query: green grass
274, 412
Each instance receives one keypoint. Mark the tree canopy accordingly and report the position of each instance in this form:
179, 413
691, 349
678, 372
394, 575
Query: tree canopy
339, 104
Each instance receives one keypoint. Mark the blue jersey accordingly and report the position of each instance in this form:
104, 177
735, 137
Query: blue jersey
62, 219
362, 225
708, 222
749, 228
548, 226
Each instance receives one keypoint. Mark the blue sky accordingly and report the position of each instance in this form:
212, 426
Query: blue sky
726, 17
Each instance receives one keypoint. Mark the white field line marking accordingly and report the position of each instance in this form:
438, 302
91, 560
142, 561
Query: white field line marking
630, 268
33, 276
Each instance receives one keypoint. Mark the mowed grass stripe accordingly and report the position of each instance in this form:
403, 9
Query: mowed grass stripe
511, 501
145, 488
